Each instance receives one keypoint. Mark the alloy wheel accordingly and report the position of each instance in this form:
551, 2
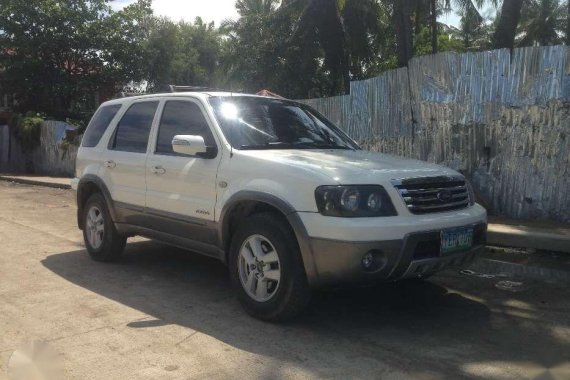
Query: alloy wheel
95, 227
259, 268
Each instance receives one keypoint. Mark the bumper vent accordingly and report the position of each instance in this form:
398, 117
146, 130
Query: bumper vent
433, 194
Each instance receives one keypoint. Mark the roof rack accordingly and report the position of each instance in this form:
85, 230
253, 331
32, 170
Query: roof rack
175, 88
125, 94
172, 88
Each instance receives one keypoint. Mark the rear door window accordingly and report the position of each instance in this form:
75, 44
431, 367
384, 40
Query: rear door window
133, 130
98, 125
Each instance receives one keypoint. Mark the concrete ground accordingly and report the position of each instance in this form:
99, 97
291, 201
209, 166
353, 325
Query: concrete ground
163, 313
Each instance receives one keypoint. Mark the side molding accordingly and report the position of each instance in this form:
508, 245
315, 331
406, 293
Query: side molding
286, 209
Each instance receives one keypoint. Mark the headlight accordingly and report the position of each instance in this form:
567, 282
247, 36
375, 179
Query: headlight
354, 201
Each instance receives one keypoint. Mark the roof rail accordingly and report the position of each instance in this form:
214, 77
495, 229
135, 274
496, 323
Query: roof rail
175, 88
172, 88
126, 94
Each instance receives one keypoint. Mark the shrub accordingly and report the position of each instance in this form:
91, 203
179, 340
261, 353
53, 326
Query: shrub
27, 129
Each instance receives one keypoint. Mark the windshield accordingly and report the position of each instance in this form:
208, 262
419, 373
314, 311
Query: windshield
267, 123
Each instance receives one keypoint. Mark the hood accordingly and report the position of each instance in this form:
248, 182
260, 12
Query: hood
352, 167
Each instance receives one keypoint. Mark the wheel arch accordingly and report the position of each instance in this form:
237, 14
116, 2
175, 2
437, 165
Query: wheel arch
244, 203
88, 185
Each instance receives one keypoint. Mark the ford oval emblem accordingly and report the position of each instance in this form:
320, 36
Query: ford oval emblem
444, 196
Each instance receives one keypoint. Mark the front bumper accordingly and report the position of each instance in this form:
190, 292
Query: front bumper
416, 255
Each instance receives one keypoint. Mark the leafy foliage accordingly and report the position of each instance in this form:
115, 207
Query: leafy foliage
27, 128
542, 23
58, 54
181, 53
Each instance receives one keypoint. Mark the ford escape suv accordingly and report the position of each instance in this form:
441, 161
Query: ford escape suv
272, 189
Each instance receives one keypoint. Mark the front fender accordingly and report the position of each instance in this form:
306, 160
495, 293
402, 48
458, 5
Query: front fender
286, 209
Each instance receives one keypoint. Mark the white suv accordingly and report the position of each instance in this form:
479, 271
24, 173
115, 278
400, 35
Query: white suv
272, 189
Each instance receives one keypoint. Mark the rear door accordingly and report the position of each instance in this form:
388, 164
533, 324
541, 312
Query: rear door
125, 160
181, 190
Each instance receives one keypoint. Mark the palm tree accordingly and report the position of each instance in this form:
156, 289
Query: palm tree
322, 20
542, 23
250, 56
402, 19
471, 19
255, 7
504, 36
367, 27
475, 31
425, 12
344, 30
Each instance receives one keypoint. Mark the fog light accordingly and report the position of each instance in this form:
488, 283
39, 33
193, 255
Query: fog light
368, 261
374, 261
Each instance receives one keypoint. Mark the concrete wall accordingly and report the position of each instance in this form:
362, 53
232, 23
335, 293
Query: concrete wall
50, 158
502, 119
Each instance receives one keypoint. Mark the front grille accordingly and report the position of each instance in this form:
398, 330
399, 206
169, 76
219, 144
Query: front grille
433, 194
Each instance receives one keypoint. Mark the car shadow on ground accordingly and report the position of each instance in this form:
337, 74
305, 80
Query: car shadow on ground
415, 327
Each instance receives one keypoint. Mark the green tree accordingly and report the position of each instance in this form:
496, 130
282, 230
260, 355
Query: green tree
57, 54
402, 19
321, 20
448, 39
182, 54
504, 36
542, 23
425, 13
252, 49
470, 27
369, 37
321, 44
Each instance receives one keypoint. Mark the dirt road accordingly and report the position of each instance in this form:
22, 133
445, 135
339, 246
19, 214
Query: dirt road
163, 313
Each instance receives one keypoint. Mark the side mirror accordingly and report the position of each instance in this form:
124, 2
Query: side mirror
189, 145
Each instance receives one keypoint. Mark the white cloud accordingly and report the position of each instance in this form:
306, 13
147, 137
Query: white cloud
188, 10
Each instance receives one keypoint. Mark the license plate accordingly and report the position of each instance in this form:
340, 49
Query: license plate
456, 240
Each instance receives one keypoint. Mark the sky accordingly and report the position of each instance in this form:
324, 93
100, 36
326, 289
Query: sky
215, 10
188, 10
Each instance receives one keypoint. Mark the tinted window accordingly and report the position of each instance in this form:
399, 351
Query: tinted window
133, 129
98, 125
181, 118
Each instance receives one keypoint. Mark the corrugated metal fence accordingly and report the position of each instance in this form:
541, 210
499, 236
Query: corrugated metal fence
51, 157
501, 118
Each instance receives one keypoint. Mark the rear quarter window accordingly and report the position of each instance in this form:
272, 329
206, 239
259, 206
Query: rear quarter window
98, 125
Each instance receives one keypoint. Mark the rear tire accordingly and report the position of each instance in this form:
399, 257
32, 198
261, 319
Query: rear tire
102, 240
267, 270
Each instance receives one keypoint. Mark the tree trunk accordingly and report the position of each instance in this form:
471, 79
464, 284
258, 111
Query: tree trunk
433, 11
504, 36
403, 29
419, 11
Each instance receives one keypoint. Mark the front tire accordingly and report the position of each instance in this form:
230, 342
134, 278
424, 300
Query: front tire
102, 240
267, 269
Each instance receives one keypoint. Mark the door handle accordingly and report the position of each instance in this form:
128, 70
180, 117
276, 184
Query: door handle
110, 164
158, 170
